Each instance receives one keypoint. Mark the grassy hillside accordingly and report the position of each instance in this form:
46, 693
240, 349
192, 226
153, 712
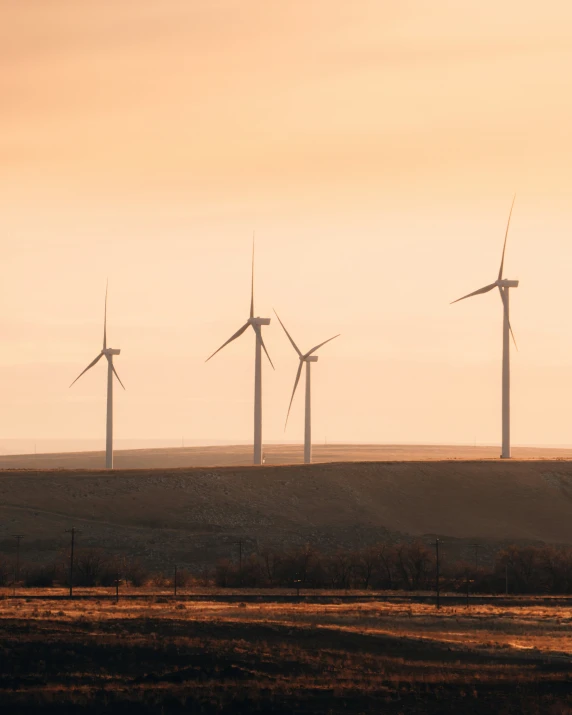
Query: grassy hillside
198, 514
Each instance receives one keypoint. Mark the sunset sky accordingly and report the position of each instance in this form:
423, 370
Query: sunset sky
374, 146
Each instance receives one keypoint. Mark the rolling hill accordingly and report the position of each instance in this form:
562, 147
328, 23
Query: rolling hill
195, 515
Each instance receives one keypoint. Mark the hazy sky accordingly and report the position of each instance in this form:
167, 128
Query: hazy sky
373, 146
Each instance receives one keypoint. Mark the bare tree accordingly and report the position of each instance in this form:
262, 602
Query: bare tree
414, 562
90, 565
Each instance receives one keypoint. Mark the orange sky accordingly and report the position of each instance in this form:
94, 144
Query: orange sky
374, 146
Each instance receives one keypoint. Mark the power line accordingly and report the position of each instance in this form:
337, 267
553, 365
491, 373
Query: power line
73, 531
18, 538
437, 575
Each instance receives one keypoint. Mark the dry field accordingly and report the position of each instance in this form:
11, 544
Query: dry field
241, 455
168, 656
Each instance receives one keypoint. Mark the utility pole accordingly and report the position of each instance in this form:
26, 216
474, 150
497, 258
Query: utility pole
297, 581
437, 584
239, 561
175, 582
73, 531
18, 538
117, 587
468, 588
506, 579
477, 547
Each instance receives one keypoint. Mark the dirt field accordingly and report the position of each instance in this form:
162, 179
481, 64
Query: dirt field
195, 516
173, 657
241, 455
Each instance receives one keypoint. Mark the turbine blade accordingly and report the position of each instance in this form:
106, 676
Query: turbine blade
294, 391
116, 375
234, 337
91, 364
503, 298
258, 331
288, 334
252, 281
505, 238
105, 318
486, 289
313, 350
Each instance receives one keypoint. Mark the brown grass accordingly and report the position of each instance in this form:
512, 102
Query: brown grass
195, 515
241, 455
168, 656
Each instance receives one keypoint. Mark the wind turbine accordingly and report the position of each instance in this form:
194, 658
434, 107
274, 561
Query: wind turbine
307, 358
504, 287
256, 324
108, 353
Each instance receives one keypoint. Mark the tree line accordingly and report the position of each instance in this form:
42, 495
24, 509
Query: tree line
405, 567
410, 566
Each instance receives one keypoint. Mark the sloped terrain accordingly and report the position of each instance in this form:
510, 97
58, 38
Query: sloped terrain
197, 515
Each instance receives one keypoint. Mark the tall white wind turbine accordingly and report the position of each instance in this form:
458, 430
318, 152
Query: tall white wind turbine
307, 358
504, 287
108, 353
256, 324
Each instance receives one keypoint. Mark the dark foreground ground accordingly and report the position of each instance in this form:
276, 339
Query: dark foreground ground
173, 657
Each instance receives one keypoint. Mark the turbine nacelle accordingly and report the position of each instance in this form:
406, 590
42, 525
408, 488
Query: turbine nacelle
500, 282
304, 357
105, 351
252, 322
503, 285
108, 354
259, 321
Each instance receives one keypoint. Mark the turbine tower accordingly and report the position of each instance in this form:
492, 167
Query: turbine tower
108, 353
307, 358
256, 324
504, 287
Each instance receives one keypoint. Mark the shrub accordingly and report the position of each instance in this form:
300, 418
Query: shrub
40, 576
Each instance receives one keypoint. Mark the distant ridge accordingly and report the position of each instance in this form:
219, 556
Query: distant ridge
241, 455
